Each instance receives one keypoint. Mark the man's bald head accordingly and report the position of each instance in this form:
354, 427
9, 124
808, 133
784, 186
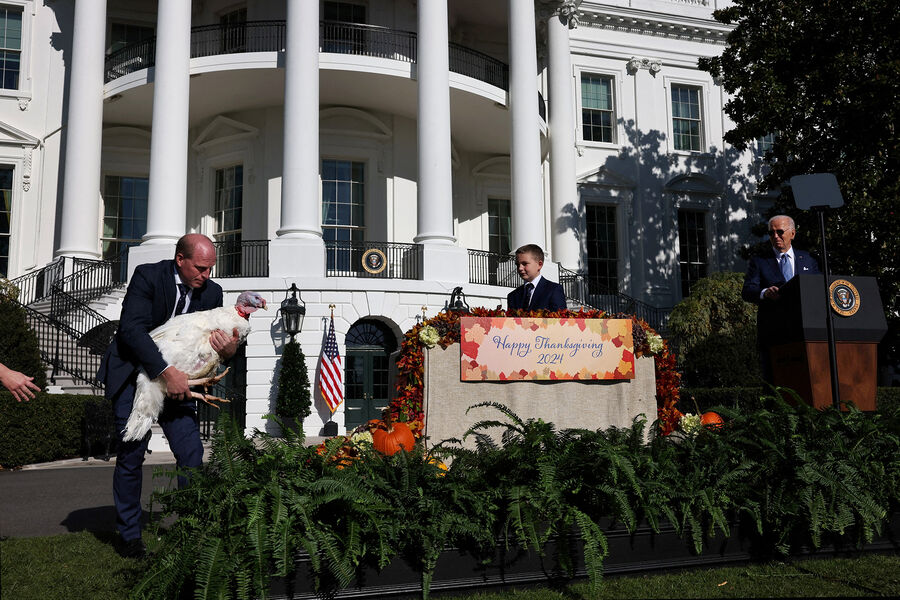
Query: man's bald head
189, 244
195, 256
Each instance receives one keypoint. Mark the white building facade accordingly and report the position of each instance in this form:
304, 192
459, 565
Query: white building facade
376, 153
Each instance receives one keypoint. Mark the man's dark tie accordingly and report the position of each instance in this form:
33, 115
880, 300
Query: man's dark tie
182, 298
529, 289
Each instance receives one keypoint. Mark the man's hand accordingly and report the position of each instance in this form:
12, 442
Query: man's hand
771, 293
176, 384
19, 384
225, 346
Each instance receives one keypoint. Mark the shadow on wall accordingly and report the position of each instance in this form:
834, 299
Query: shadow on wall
721, 182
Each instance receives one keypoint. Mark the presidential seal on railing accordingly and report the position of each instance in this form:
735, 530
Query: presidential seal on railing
374, 261
844, 297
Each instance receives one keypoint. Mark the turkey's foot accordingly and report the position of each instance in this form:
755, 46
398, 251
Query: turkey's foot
209, 399
207, 382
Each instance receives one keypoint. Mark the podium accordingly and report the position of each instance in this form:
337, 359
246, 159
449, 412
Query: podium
797, 331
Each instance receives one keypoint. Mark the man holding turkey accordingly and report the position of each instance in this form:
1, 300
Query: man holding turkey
156, 293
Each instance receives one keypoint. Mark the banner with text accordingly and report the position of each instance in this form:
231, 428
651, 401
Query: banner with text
522, 348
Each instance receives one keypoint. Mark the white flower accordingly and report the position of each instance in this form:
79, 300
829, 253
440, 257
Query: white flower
690, 423
656, 342
429, 336
363, 437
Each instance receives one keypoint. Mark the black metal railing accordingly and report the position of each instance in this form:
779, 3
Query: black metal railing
334, 37
492, 268
91, 278
236, 38
589, 291
477, 65
131, 58
38, 285
367, 40
64, 347
241, 258
378, 260
209, 415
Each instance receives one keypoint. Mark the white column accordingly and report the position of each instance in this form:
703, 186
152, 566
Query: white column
567, 213
80, 218
441, 258
435, 187
301, 231
525, 153
167, 205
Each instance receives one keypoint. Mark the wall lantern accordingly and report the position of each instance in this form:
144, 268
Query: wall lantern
292, 312
458, 301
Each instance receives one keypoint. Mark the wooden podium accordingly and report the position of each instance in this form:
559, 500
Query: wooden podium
800, 358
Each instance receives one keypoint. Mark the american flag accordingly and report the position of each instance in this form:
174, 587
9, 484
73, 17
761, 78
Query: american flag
331, 371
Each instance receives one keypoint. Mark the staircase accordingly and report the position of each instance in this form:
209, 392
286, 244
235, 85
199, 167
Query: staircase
74, 317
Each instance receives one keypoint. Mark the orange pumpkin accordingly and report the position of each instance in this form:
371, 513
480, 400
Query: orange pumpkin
711, 420
397, 436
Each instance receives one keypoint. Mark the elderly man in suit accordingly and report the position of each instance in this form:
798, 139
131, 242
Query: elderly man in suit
765, 276
156, 293
537, 292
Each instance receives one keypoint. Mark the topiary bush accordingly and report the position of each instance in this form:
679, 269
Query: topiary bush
715, 333
293, 401
18, 343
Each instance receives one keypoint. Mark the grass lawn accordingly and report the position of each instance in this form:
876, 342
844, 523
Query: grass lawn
85, 566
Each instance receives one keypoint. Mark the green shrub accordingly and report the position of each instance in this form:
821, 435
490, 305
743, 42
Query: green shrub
748, 398
45, 429
18, 344
791, 476
887, 398
293, 399
715, 333
707, 398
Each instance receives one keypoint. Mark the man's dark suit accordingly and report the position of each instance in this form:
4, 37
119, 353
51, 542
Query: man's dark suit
149, 302
548, 295
763, 272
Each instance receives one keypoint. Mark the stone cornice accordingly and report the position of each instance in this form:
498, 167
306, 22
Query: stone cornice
593, 14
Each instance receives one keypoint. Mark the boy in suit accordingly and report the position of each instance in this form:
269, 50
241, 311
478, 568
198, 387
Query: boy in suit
766, 274
537, 292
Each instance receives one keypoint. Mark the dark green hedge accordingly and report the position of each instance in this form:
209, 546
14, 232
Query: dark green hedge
45, 429
744, 397
18, 343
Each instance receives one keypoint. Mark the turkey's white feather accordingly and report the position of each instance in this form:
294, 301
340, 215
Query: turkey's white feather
184, 344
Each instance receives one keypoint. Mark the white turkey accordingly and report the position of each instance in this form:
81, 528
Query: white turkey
184, 344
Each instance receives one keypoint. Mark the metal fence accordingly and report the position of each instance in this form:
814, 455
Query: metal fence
235, 38
209, 415
334, 37
64, 347
241, 258
492, 268
590, 292
377, 260
38, 285
92, 278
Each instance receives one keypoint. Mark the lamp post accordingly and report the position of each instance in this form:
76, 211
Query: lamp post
457, 301
293, 311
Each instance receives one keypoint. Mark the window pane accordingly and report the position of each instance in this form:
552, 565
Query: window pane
597, 108
602, 248
693, 253
686, 118
10, 28
125, 213
343, 212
